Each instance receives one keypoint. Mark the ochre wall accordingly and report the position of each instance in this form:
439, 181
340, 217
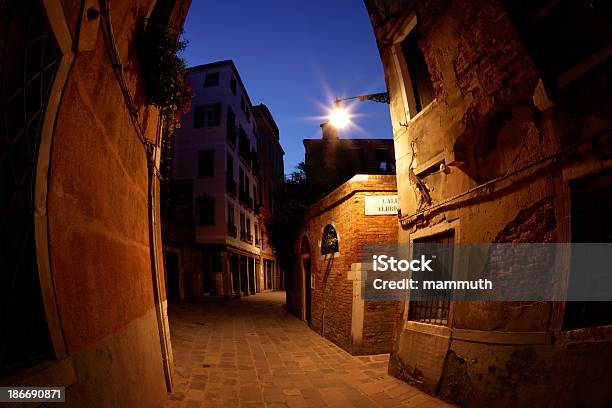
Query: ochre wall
99, 224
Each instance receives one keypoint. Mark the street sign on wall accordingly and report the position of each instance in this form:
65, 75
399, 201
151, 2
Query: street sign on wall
380, 205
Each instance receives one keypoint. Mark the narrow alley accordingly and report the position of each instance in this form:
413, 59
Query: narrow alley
252, 353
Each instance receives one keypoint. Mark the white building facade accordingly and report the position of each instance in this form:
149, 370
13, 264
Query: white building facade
216, 149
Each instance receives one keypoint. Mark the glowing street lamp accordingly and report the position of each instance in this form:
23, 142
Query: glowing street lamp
340, 118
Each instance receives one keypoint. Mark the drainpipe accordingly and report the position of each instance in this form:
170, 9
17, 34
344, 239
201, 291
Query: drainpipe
152, 149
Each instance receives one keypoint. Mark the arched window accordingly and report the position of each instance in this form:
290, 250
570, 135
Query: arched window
329, 243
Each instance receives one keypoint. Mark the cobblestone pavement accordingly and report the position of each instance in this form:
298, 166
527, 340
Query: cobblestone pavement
252, 353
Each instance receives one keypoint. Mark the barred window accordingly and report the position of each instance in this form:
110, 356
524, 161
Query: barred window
435, 307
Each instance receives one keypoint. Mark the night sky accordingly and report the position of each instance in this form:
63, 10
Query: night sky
295, 57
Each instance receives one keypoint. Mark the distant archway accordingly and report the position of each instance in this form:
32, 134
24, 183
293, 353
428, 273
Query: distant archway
307, 279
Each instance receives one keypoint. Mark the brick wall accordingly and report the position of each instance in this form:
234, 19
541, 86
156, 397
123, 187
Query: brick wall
333, 295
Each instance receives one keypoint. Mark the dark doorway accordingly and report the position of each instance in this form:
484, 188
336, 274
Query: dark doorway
244, 279
235, 275
307, 271
257, 275
591, 200
268, 274
208, 281
172, 276
251, 270
307, 275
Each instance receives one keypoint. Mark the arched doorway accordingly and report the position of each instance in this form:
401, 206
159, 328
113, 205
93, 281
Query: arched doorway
306, 266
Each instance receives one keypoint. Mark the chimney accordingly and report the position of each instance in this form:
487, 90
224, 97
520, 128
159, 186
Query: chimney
329, 132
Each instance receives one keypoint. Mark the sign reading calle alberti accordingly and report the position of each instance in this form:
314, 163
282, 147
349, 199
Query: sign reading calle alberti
380, 205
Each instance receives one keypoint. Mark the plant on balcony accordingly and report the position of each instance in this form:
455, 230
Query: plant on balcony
164, 70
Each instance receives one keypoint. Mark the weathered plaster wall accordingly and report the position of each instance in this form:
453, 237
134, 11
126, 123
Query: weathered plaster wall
486, 121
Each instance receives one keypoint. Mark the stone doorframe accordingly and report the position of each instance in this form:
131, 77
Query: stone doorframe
59, 27
59, 371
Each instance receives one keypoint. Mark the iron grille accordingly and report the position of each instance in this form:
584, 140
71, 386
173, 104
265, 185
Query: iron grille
28, 63
435, 308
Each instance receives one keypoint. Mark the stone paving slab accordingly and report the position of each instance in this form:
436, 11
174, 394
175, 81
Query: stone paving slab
251, 353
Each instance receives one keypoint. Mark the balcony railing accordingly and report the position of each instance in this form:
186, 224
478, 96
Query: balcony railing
232, 230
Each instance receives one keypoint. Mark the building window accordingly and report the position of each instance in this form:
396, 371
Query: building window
256, 235
329, 242
435, 307
229, 176
591, 201
243, 105
248, 115
211, 79
231, 222
232, 133
207, 115
382, 160
244, 146
420, 80
249, 237
563, 33
263, 243
205, 210
242, 227
233, 84
230, 214
206, 163
230, 165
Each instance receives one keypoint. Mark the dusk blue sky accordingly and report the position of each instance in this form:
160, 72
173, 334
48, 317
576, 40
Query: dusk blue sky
295, 57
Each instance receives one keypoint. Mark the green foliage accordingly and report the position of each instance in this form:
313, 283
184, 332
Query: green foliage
164, 70
283, 228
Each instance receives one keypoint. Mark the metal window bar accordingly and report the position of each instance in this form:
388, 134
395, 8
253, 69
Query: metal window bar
434, 309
